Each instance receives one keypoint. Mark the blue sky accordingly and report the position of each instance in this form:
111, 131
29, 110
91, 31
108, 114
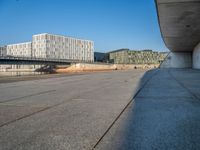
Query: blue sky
111, 24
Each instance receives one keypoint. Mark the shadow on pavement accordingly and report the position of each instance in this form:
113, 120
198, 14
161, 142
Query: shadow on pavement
163, 115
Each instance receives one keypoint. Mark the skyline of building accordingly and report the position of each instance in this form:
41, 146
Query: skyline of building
53, 46
20, 49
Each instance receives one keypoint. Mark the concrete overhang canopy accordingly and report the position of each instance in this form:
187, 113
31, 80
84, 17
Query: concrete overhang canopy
179, 23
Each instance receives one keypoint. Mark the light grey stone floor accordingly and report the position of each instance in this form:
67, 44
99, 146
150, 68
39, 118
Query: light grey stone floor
66, 112
165, 114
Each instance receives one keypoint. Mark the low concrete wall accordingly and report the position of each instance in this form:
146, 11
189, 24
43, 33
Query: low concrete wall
103, 67
196, 57
136, 66
178, 60
19, 70
86, 67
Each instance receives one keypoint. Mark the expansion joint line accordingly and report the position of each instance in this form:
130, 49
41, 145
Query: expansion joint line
27, 96
44, 109
120, 114
182, 85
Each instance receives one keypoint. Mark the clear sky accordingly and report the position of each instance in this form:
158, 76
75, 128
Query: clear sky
111, 24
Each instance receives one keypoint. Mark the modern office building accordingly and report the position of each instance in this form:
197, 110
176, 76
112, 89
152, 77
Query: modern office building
51, 46
2, 50
126, 56
20, 49
61, 47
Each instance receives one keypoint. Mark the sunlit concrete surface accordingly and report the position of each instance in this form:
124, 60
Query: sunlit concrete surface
165, 114
63, 112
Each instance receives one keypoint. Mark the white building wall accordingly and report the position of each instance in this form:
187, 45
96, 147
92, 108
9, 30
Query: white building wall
54, 47
39, 46
61, 47
20, 49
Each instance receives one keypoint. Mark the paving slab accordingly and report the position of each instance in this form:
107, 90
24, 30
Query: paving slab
163, 115
74, 115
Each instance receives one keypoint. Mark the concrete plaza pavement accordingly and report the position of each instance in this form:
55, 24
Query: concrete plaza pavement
67, 112
96, 111
165, 114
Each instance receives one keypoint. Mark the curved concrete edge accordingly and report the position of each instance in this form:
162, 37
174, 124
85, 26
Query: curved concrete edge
180, 35
179, 23
156, 5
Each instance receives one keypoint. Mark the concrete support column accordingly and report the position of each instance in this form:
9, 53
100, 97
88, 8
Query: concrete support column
178, 60
196, 57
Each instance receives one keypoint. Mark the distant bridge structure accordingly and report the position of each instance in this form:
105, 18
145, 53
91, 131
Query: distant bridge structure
9, 60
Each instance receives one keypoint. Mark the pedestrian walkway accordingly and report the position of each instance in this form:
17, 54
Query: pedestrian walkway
165, 114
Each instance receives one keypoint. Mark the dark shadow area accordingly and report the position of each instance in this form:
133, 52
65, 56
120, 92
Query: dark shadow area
164, 114
47, 69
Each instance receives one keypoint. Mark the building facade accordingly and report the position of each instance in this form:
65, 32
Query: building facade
2, 50
20, 49
119, 56
126, 56
51, 46
61, 47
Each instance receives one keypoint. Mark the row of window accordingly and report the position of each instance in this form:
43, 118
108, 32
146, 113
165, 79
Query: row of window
20, 46
59, 39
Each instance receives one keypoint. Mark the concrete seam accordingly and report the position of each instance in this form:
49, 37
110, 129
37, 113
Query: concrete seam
182, 85
165, 59
40, 93
46, 108
116, 119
